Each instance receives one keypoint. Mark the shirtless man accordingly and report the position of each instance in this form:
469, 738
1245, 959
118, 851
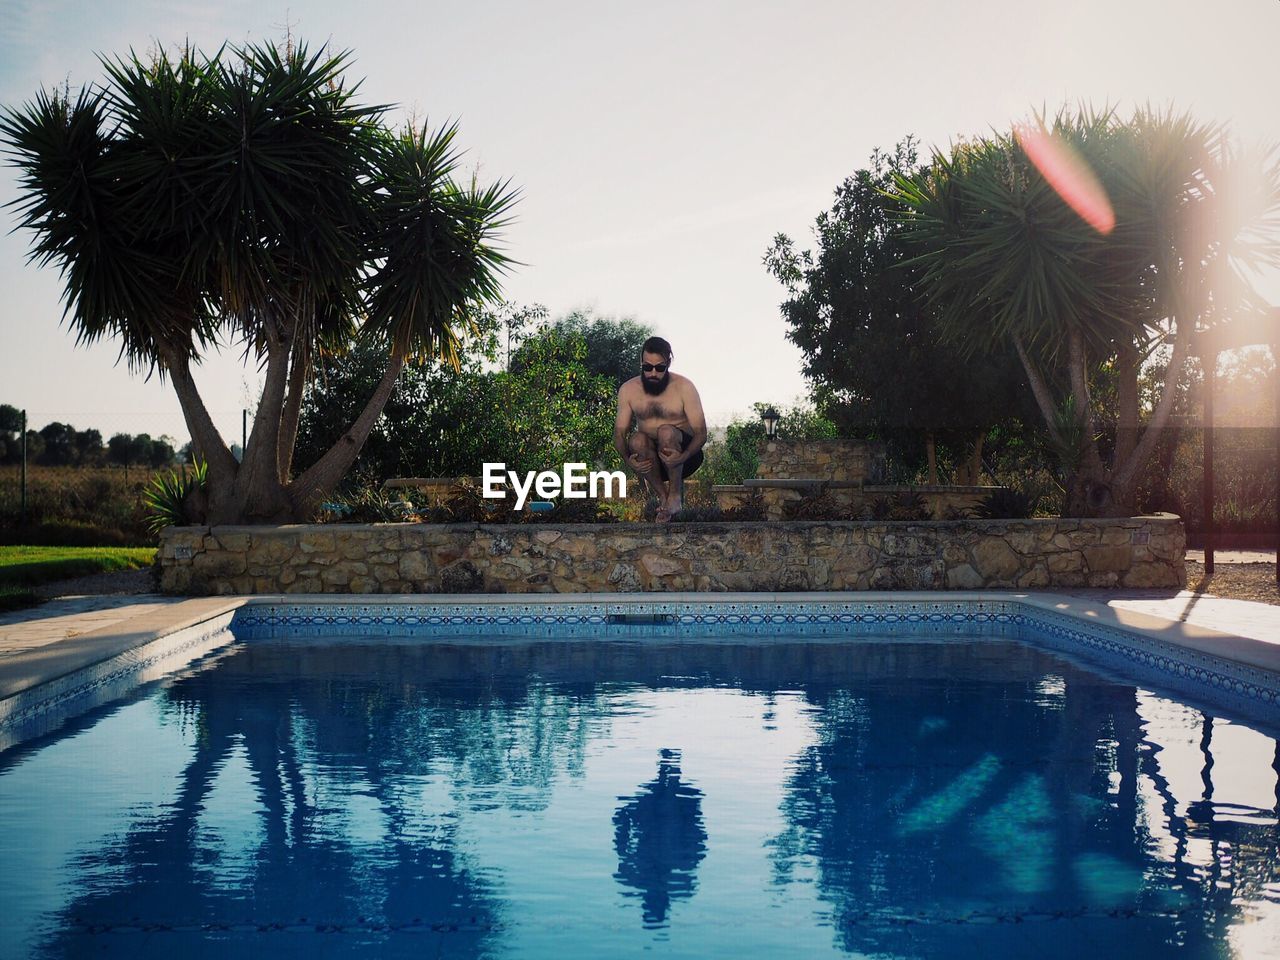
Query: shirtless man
670, 426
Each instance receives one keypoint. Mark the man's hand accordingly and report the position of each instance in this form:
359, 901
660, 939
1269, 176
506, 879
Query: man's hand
640, 463
672, 457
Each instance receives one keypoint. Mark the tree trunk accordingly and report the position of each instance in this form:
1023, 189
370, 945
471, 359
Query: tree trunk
259, 496
931, 452
975, 462
321, 478
1039, 390
222, 466
1127, 400
1126, 472
299, 375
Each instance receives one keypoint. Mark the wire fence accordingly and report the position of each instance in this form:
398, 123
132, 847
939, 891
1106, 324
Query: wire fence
79, 479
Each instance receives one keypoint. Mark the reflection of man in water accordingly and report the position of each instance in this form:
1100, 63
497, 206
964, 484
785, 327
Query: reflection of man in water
660, 839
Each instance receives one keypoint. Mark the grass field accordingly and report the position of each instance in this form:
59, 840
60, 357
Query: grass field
22, 568
95, 506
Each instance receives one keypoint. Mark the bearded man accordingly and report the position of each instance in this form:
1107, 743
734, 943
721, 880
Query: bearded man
670, 426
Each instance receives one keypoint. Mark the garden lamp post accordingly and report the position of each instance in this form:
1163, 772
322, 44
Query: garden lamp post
770, 418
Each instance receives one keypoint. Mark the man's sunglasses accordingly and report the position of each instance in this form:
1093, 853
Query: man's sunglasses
654, 367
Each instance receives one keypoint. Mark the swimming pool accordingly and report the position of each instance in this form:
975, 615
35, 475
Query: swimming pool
768, 779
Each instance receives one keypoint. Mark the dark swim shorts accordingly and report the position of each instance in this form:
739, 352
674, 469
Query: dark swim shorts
690, 466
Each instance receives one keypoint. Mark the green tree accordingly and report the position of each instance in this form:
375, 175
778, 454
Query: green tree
613, 343
1007, 261
873, 352
10, 433
735, 455
435, 424
554, 408
445, 422
250, 195
59, 445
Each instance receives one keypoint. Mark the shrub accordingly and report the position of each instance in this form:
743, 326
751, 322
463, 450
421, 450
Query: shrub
818, 506
699, 514
900, 506
1007, 504
168, 497
367, 505
751, 508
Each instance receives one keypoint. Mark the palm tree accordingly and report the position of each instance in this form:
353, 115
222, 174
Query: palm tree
1005, 259
249, 196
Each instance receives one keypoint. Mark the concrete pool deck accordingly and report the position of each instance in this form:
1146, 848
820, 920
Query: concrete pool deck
49, 641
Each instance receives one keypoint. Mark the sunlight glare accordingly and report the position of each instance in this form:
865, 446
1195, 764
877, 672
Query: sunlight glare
1069, 175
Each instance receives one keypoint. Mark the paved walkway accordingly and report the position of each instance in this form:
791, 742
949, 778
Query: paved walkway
66, 617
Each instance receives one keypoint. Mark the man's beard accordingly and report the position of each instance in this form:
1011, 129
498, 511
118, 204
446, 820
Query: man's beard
655, 387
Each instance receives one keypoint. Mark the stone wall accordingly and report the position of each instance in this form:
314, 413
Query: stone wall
582, 558
855, 460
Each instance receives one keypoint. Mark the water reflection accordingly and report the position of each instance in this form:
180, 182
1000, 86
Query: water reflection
1007, 806
943, 799
660, 840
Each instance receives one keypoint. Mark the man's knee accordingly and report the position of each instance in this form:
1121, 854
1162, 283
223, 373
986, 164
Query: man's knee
669, 436
639, 443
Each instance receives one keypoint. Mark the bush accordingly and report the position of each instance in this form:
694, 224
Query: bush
367, 505
818, 506
901, 506
73, 503
1007, 504
168, 497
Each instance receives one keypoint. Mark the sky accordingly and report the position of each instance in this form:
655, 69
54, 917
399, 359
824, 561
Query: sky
659, 147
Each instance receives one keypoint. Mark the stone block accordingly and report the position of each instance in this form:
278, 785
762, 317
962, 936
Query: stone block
995, 559
415, 566
218, 565
461, 577
857, 560
231, 542
964, 577
659, 566
1065, 563
1151, 575
1037, 576
624, 578
316, 542
1108, 559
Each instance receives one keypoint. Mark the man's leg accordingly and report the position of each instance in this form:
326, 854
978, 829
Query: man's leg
639, 443
670, 441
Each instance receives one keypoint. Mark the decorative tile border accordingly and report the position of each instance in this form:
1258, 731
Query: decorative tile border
1135, 654
1190, 671
38, 710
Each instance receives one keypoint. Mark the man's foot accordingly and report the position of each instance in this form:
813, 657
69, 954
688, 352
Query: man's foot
674, 505
662, 516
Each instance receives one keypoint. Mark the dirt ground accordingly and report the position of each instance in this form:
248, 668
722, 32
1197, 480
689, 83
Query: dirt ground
100, 584
1236, 581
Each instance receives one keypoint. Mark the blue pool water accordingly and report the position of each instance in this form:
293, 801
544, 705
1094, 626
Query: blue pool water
624, 798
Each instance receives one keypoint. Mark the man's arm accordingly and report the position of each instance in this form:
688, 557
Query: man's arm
697, 423
622, 424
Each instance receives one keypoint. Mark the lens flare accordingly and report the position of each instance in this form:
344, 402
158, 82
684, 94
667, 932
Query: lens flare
1069, 175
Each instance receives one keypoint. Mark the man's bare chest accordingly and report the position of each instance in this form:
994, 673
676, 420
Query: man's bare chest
659, 408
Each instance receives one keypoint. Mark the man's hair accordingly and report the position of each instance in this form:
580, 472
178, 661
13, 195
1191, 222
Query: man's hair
657, 345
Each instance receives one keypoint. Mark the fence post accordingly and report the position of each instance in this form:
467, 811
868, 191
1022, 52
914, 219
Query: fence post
244, 431
24, 469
